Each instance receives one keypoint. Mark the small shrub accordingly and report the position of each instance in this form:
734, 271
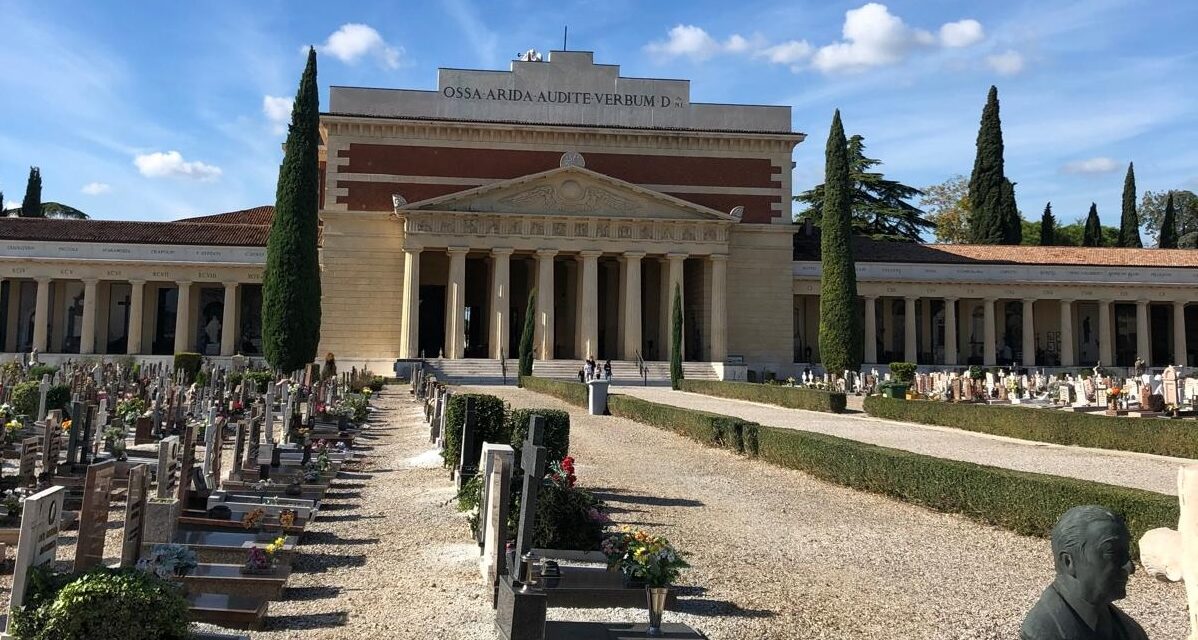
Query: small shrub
189, 363
104, 604
25, 397
260, 378
789, 397
376, 383
574, 393
37, 371
557, 431
490, 426
903, 372
568, 517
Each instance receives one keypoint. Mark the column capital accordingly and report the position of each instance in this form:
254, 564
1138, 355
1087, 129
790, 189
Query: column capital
1106, 301
1029, 300
990, 299
719, 257
590, 254
1179, 304
634, 255
677, 256
1068, 300
546, 253
950, 299
91, 282
415, 250
502, 251
183, 283
136, 282
231, 284
1142, 302
454, 251
43, 279
911, 298
872, 298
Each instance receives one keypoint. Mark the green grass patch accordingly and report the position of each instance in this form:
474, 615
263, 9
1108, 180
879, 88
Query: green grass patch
782, 396
574, 393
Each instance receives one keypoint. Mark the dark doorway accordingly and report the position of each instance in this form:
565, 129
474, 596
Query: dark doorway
164, 324
1160, 323
432, 320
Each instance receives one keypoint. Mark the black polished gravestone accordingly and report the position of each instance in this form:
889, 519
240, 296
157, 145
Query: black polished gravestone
520, 606
471, 447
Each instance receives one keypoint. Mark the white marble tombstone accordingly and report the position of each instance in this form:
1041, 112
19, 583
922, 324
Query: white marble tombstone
496, 465
37, 543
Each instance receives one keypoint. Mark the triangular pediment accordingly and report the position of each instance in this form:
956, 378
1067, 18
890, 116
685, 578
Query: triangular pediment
568, 191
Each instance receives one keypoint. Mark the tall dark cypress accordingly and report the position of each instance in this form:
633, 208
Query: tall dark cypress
1012, 222
1048, 227
1169, 225
839, 325
530, 315
1092, 234
1, 204
31, 206
1129, 223
291, 281
987, 212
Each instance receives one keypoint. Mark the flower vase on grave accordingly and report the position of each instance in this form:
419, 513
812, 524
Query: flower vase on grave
657, 605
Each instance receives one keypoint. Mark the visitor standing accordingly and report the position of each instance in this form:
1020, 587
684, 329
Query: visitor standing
607, 370
590, 367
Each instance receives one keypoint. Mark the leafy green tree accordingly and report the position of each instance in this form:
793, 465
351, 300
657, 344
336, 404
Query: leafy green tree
291, 281
1048, 227
991, 197
947, 204
839, 324
1129, 223
1168, 237
1092, 237
880, 207
62, 211
31, 206
530, 315
676, 340
1152, 212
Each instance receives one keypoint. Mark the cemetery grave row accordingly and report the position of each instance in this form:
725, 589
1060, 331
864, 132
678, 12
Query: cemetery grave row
157, 439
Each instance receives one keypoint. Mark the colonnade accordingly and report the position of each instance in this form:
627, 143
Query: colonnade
630, 316
1106, 336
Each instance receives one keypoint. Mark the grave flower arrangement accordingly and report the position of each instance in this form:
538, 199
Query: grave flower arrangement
11, 429
130, 409
287, 518
263, 560
254, 519
6, 412
12, 502
568, 516
167, 560
642, 556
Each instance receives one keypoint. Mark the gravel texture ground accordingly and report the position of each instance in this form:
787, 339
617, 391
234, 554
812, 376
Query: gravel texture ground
778, 554
1139, 470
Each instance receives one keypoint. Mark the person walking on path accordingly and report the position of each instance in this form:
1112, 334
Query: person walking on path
607, 370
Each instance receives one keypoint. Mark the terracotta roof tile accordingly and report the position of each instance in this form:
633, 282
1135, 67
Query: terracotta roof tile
256, 215
129, 232
867, 250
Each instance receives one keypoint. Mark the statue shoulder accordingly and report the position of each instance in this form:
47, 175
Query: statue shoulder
1050, 619
1133, 628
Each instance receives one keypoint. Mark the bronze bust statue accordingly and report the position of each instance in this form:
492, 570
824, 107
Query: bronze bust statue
1092, 554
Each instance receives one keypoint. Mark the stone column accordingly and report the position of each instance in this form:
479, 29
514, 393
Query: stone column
719, 309
1179, 333
544, 325
1067, 334
673, 279
871, 329
501, 302
183, 317
588, 304
950, 331
228, 321
989, 355
1029, 333
1143, 351
41, 316
632, 304
910, 329
409, 320
87, 334
455, 304
1105, 340
137, 290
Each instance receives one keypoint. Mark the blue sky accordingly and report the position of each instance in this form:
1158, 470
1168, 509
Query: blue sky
161, 110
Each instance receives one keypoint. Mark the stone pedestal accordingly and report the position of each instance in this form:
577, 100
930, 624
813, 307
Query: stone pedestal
597, 397
162, 520
520, 614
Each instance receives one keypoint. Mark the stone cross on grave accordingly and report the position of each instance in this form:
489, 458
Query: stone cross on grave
42, 389
210, 436
268, 423
532, 460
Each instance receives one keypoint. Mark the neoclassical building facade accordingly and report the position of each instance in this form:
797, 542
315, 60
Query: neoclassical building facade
613, 199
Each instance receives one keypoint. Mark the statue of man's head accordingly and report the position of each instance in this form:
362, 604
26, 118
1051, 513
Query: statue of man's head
1091, 548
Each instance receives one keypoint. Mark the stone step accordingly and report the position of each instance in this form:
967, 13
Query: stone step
488, 371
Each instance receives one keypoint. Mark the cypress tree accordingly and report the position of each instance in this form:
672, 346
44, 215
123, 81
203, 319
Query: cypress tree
291, 280
1012, 227
2, 212
31, 206
839, 325
1092, 236
530, 315
987, 212
1169, 225
676, 341
1129, 223
1048, 227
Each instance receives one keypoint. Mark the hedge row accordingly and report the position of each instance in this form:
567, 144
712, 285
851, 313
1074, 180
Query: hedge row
574, 393
1027, 503
497, 423
1161, 437
782, 396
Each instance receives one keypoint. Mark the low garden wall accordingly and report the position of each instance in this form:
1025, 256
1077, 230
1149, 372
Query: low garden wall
1143, 435
782, 396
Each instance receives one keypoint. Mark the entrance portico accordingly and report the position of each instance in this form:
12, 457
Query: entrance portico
604, 256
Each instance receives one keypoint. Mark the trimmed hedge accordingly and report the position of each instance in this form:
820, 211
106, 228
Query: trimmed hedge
574, 393
490, 425
557, 432
189, 363
1027, 503
710, 429
789, 397
1160, 437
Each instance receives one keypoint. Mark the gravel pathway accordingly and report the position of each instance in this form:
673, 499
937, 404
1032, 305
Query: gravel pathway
778, 554
1142, 471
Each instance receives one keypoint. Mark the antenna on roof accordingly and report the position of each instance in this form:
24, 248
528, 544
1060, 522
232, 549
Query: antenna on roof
565, 34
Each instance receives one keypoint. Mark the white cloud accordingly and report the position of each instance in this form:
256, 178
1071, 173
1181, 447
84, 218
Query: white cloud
791, 52
172, 165
1007, 63
873, 37
1100, 164
961, 33
95, 188
353, 41
278, 111
687, 40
